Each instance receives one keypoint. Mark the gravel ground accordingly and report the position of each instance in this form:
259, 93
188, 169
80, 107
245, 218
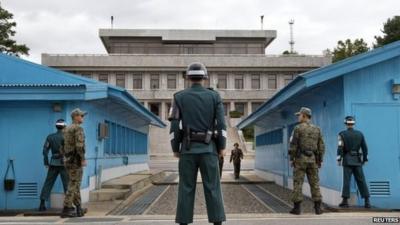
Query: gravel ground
284, 194
236, 200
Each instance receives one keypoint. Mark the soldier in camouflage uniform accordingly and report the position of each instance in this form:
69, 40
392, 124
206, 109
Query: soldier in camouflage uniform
306, 153
236, 157
55, 166
74, 159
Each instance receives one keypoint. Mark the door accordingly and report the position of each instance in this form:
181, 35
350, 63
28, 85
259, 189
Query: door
23, 131
380, 125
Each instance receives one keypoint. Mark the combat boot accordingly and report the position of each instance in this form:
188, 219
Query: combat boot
344, 203
367, 203
296, 209
317, 207
68, 212
79, 211
42, 206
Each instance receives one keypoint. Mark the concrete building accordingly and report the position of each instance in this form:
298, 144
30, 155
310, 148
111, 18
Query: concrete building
366, 86
150, 64
33, 97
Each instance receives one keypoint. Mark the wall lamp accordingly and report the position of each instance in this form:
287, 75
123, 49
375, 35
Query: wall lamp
396, 88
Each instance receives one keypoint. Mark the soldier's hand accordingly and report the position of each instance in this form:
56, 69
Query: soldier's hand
291, 163
222, 153
84, 163
177, 155
47, 167
319, 164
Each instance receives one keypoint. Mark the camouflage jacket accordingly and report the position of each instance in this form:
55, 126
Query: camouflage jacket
74, 145
306, 143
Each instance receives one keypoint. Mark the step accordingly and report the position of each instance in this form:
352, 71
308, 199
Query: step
108, 194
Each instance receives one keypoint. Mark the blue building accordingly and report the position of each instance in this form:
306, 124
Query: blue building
366, 86
33, 97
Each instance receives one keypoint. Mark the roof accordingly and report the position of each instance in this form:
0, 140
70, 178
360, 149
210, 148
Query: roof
24, 80
187, 34
316, 77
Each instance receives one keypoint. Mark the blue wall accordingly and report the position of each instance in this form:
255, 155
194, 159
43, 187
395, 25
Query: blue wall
24, 126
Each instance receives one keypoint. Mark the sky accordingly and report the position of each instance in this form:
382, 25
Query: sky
71, 26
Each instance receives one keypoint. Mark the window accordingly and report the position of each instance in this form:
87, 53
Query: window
226, 108
120, 80
239, 82
168, 108
103, 78
222, 81
255, 81
124, 141
240, 107
154, 81
270, 138
155, 108
137, 81
288, 79
272, 82
171, 81
255, 105
187, 83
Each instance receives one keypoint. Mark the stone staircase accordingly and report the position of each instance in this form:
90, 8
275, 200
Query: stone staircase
121, 187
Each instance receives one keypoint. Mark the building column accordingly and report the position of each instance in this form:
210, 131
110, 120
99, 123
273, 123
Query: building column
163, 111
249, 108
146, 104
232, 106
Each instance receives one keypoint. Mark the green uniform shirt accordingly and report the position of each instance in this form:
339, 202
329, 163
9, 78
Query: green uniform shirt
352, 148
53, 142
306, 137
200, 109
74, 145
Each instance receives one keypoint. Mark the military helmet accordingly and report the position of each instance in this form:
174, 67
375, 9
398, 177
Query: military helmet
196, 70
305, 111
60, 123
349, 120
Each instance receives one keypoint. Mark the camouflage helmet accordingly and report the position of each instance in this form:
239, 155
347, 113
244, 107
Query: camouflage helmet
196, 70
304, 111
78, 112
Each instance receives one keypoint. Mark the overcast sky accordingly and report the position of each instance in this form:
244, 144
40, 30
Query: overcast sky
71, 26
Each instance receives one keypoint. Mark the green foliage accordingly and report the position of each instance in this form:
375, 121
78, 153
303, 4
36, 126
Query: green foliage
7, 44
235, 114
391, 32
248, 133
348, 48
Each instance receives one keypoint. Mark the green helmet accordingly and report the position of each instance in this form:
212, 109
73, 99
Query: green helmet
196, 70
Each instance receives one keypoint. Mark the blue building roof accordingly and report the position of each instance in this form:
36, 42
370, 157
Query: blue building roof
317, 77
24, 80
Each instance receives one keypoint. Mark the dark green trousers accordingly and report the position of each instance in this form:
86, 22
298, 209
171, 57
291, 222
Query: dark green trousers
189, 164
360, 180
236, 169
52, 174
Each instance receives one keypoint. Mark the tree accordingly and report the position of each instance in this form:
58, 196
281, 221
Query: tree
347, 48
7, 44
391, 32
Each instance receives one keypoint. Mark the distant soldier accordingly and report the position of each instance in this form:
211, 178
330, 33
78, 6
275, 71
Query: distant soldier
198, 137
236, 157
352, 155
74, 157
55, 166
306, 152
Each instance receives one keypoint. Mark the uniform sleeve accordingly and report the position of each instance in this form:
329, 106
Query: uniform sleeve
293, 144
175, 132
46, 148
364, 148
340, 147
220, 125
80, 142
321, 146
241, 154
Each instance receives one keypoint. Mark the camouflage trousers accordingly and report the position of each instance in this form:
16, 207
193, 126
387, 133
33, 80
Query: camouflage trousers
300, 170
73, 195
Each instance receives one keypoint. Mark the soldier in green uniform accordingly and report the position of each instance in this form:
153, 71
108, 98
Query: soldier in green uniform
352, 155
73, 151
198, 137
56, 165
306, 152
236, 157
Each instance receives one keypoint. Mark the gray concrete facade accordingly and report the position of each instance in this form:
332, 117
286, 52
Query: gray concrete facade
244, 79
